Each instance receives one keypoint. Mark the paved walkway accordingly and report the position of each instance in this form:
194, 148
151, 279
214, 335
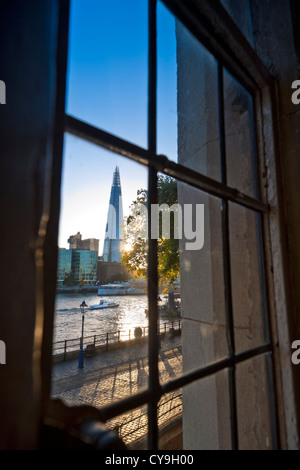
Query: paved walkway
114, 375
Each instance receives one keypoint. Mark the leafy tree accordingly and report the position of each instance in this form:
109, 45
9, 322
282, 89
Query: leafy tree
134, 256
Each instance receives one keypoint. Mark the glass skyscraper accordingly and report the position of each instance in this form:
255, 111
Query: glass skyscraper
113, 233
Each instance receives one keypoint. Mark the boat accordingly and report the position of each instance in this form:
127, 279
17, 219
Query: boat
122, 288
103, 304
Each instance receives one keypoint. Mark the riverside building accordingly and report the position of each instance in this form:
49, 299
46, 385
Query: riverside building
78, 265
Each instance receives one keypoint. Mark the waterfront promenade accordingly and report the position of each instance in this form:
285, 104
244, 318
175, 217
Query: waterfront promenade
116, 374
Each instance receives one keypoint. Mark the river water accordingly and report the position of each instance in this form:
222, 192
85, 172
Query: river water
68, 317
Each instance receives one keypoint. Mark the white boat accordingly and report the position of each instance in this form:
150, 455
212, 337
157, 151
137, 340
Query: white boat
103, 304
122, 288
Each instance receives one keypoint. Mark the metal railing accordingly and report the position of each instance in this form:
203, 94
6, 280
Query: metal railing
105, 340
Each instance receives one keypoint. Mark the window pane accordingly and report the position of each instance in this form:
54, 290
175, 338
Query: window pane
169, 411
132, 427
241, 14
98, 188
248, 295
107, 68
253, 405
239, 137
191, 301
206, 414
166, 84
187, 98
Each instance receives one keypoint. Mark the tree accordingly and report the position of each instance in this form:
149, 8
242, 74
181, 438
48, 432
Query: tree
134, 256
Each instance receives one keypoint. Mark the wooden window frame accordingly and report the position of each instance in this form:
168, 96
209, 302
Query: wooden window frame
214, 28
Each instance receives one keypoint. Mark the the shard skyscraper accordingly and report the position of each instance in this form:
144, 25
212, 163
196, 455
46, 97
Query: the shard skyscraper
113, 234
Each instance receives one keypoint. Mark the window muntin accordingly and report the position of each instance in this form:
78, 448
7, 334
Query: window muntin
226, 194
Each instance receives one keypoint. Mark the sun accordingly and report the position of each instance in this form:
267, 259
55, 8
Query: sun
128, 247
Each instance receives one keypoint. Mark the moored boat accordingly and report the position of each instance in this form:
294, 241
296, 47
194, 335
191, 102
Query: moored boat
122, 288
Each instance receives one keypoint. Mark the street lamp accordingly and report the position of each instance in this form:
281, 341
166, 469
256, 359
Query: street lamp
80, 360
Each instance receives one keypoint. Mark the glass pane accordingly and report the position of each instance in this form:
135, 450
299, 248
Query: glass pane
169, 412
187, 98
241, 14
132, 427
100, 351
253, 405
248, 298
107, 67
206, 414
239, 137
191, 291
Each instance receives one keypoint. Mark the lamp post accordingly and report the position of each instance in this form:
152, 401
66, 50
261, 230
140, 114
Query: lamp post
80, 360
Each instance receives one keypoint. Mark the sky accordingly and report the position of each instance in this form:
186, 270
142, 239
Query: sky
107, 80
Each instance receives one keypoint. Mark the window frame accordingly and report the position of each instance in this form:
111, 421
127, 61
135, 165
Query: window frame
214, 28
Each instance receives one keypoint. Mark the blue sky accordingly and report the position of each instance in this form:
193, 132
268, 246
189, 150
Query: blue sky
107, 87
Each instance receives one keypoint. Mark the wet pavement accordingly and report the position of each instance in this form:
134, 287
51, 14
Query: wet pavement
117, 374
